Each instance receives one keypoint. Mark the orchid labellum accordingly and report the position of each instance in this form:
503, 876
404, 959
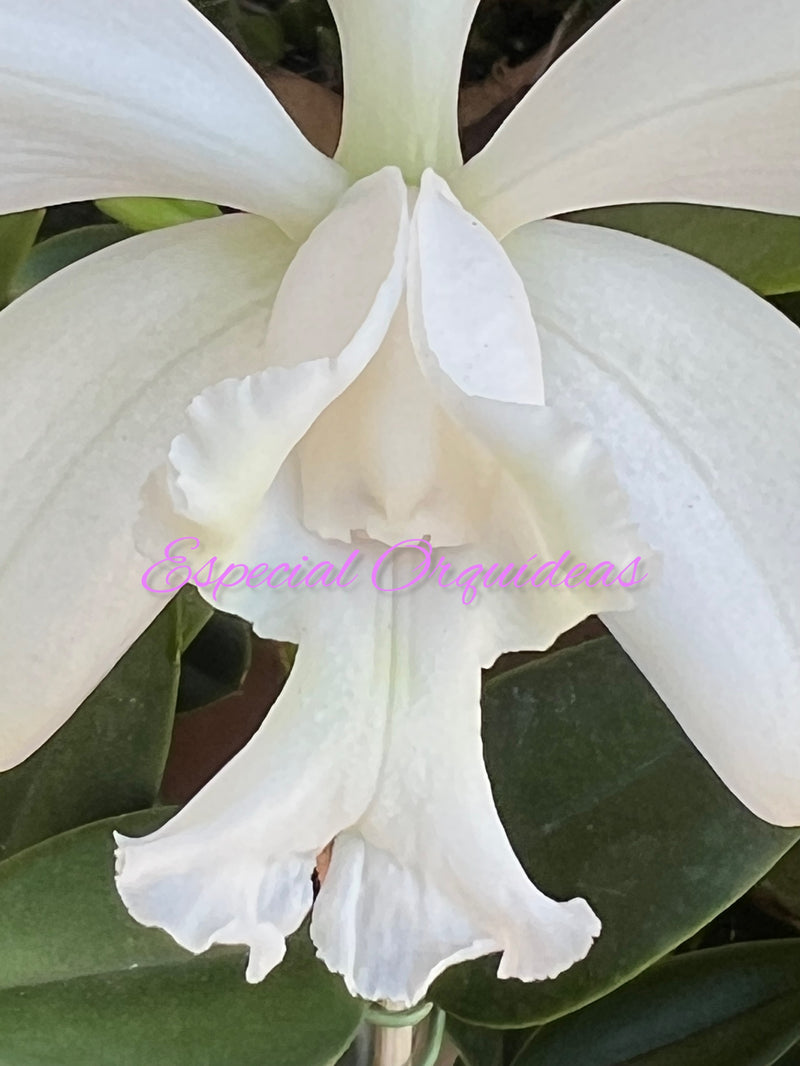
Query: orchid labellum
394, 346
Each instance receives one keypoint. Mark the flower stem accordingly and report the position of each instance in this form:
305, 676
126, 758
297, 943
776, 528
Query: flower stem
393, 1046
399, 1045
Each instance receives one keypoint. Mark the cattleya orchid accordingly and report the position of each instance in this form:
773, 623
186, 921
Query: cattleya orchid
386, 346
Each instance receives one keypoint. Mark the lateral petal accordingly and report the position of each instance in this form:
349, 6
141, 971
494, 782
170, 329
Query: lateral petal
329, 319
553, 490
691, 383
658, 102
476, 315
146, 98
99, 363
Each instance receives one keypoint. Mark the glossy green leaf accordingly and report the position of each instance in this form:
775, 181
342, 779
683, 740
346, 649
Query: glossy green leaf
603, 797
109, 757
737, 1006
17, 234
760, 250
360, 1051
81, 982
476, 1047
216, 662
142, 213
779, 892
194, 614
61, 917
55, 253
791, 1058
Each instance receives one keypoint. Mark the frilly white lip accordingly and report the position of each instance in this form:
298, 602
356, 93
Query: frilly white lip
374, 743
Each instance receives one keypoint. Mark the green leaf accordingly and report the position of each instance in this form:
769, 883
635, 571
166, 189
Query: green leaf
81, 982
17, 234
760, 250
220, 12
194, 614
263, 38
779, 892
791, 1058
142, 213
216, 662
359, 1052
301, 21
109, 757
61, 251
789, 303
737, 1005
60, 915
603, 797
477, 1047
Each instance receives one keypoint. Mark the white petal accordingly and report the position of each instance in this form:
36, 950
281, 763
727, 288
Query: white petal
691, 382
350, 269
552, 490
402, 65
477, 317
427, 877
146, 98
683, 101
98, 364
234, 866
329, 319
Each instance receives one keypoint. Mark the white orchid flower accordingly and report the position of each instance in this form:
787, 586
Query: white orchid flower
364, 351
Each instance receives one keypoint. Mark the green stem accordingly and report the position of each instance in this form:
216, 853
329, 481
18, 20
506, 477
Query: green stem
435, 1039
397, 1019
